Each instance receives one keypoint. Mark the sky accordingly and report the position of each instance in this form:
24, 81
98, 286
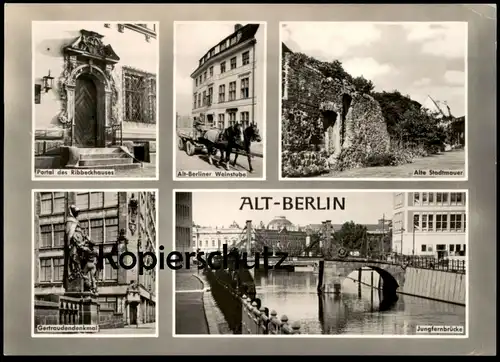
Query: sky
222, 208
418, 59
192, 41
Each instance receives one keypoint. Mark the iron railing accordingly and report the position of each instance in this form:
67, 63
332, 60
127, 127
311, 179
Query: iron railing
114, 135
429, 262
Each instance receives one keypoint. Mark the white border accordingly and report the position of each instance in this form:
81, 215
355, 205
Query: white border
33, 106
417, 179
91, 335
264, 106
332, 336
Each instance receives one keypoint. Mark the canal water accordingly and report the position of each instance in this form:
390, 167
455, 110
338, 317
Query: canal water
358, 310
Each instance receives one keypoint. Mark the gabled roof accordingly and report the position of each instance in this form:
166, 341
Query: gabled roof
247, 32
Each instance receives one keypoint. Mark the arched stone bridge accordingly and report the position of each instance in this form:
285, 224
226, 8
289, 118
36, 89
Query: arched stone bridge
335, 271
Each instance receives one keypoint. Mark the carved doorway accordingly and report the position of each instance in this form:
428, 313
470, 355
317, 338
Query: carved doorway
332, 143
86, 125
133, 313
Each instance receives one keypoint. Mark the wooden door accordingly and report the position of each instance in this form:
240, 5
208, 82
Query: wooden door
133, 313
85, 130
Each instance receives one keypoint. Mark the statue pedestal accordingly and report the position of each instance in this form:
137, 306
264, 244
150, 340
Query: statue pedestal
89, 307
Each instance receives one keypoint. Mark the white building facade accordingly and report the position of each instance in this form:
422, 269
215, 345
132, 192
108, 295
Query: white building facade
210, 239
228, 85
95, 84
430, 224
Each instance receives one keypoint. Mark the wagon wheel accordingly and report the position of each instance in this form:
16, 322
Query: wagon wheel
181, 144
190, 149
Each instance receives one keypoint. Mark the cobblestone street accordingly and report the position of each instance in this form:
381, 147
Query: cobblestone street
147, 170
199, 162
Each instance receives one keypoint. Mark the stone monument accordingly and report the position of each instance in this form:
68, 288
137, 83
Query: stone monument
80, 264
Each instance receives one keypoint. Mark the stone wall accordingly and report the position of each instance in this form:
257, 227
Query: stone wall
350, 123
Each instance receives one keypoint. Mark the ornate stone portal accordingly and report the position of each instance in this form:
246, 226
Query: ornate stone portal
88, 56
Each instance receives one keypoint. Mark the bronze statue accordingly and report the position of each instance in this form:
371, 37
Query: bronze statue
82, 258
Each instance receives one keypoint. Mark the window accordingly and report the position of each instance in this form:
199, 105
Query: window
430, 222
139, 96
222, 93
109, 272
245, 119
233, 63
232, 91
58, 269
451, 247
220, 124
196, 82
97, 230
204, 98
96, 200
52, 203
441, 198
213, 242
424, 222
109, 303
204, 75
210, 96
245, 58
59, 235
199, 100
232, 41
416, 222
424, 197
232, 118
212, 52
45, 270
430, 248
46, 236
441, 222
416, 198
211, 70
431, 197
223, 46
206, 243
455, 222
440, 247
245, 88
424, 248
457, 198
194, 100
111, 230
223, 67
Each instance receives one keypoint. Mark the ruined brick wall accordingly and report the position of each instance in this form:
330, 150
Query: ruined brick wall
355, 128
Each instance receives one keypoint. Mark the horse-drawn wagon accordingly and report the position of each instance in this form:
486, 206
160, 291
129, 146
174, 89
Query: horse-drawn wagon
190, 141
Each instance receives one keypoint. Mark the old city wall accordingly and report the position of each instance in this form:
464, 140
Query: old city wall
359, 128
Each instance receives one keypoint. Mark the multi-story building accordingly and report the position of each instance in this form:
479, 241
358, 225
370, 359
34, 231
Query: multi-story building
430, 224
228, 84
209, 239
183, 221
124, 219
95, 87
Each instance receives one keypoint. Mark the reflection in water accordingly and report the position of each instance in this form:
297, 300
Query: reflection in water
360, 309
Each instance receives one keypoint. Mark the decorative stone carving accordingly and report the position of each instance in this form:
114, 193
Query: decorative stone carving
82, 258
90, 43
88, 55
132, 214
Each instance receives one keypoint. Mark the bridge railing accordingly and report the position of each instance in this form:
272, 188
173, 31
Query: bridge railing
425, 262
257, 321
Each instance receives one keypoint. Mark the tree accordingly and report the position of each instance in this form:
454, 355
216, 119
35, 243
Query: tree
363, 85
351, 236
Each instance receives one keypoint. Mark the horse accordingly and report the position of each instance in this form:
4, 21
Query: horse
250, 134
215, 139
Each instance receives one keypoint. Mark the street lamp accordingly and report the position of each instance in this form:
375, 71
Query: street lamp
402, 232
415, 222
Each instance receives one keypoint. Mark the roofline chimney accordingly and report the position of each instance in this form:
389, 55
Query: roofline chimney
237, 27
